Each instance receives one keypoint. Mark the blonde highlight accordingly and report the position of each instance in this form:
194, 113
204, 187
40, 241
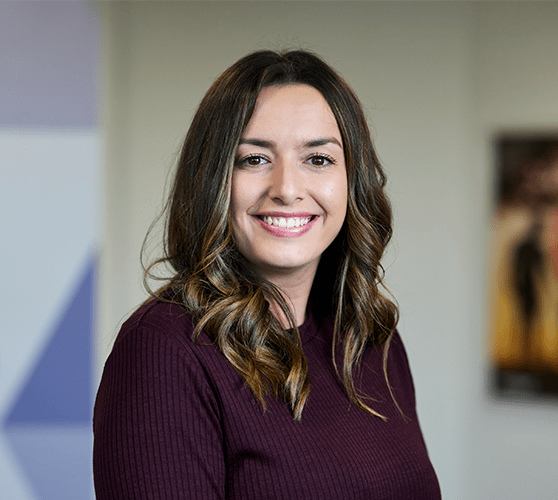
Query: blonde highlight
213, 282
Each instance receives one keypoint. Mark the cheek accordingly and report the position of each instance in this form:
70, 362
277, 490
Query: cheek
242, 201
237, 196
336, 196
344, 195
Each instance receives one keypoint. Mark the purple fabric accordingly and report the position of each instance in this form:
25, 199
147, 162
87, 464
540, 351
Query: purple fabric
174, 420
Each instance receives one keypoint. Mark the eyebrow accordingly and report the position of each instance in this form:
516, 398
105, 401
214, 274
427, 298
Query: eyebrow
257, 142
310, 144
322, 142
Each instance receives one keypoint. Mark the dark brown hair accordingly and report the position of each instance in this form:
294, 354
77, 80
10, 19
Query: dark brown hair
212, 279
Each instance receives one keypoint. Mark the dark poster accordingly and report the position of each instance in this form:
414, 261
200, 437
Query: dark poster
523, 310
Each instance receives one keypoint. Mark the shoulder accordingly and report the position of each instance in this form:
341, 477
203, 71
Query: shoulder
158, 337
158, 322
154, 353
397, 350
156, 343
399, 374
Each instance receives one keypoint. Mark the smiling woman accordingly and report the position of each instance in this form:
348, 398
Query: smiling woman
251, 373
289, 189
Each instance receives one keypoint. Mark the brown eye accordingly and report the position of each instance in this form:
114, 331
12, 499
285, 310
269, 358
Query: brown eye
253, 161
320, 160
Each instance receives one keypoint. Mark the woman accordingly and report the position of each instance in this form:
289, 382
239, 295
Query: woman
261, 369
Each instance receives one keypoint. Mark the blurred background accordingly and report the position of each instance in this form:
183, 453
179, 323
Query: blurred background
95, 99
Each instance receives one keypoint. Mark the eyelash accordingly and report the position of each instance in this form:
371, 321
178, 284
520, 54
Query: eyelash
243, 161
330, 160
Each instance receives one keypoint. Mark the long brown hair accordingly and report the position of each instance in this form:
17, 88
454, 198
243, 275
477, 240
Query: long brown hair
212, 280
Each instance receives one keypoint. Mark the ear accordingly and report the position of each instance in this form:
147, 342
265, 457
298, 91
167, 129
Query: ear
553, 241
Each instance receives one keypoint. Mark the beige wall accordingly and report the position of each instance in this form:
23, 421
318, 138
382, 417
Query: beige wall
438, 80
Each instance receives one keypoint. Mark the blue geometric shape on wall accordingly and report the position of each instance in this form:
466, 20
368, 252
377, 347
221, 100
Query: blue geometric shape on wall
56, 461
59, 390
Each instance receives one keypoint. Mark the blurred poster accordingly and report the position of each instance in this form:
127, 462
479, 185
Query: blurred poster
523, 309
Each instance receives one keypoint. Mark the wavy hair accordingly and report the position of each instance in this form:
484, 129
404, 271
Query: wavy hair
212, 280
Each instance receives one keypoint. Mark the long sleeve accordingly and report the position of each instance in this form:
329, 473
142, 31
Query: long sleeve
156, 423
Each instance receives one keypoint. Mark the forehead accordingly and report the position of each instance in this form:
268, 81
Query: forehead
298, 92
292, 107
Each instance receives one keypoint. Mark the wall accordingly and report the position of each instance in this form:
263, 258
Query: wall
49, 203
437, 80
512, 446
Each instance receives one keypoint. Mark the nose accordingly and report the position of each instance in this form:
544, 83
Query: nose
287, 183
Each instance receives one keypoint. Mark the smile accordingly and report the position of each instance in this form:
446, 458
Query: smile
282, 226
286, 222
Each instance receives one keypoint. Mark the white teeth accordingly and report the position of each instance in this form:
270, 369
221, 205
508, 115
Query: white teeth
284, 222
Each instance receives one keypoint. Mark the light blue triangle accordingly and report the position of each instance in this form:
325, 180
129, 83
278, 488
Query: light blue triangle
56, 461
59, 389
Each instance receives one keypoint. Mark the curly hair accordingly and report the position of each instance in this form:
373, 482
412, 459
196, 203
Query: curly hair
211, 279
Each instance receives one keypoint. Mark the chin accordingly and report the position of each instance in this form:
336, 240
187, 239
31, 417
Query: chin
285, 266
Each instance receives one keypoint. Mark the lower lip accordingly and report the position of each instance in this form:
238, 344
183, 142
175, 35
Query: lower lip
283, 232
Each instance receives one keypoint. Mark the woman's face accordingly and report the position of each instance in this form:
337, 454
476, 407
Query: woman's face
289, 184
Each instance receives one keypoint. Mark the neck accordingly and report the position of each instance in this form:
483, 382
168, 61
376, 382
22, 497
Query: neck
296, 290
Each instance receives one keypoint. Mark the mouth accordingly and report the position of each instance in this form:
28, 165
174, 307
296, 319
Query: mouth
286, 222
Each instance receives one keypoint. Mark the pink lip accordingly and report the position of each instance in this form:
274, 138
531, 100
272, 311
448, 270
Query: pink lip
282, 232
285, 214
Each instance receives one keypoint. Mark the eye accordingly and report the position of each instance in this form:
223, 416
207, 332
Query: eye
252, 161
320, 160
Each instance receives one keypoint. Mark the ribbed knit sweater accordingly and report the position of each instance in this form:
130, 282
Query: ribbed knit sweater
174, 420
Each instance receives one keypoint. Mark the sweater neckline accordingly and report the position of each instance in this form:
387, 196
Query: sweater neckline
309, 329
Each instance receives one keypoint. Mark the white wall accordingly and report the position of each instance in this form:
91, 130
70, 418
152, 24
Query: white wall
437, 80
513, 446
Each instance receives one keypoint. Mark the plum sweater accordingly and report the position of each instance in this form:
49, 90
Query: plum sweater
174, 420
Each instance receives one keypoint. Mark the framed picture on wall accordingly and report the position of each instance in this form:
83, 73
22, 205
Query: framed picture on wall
523, 282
